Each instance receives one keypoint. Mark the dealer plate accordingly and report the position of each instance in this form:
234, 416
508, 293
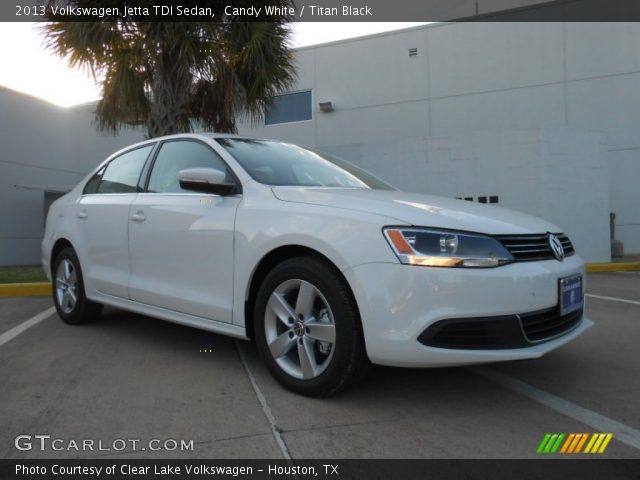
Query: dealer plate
571, 295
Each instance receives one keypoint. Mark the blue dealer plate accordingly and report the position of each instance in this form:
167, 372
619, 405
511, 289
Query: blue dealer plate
571, 295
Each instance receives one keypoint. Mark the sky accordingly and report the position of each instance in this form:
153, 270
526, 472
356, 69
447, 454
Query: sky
28, 67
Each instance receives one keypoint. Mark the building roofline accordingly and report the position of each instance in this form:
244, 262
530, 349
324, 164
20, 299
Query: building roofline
373, 35
76, 109
5, 89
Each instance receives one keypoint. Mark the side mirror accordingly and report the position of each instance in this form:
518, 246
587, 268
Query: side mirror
206, 180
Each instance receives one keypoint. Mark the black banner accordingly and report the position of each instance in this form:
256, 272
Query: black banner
547, 469
321, 10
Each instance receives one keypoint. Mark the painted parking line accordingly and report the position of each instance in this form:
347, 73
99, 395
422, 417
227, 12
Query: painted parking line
613, 299
275, 430
621, 432
26, 325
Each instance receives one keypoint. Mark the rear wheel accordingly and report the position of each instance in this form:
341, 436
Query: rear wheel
68, 290
308, 329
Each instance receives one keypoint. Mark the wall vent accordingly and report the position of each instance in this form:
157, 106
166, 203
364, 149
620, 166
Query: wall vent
482, 199
413, 52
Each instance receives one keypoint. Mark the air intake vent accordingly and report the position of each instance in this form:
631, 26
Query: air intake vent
548, 324
413, 52
533, 247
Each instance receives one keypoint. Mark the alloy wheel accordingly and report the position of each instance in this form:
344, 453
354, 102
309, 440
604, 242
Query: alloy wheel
300, 329
66, 285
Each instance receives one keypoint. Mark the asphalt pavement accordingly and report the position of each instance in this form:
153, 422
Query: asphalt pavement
125, 380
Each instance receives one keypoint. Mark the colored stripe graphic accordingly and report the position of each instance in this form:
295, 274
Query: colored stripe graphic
604, 445
543, 443
555, 447
551, 442
581, 442
572, 443
591, 442
599, 443
567, 443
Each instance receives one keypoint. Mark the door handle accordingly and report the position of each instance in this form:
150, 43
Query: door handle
138, 216
83, 215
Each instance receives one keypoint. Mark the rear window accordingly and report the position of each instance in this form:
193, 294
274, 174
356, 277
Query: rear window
122, 173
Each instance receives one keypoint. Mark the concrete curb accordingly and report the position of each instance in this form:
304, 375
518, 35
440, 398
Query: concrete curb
36, 289
614, 267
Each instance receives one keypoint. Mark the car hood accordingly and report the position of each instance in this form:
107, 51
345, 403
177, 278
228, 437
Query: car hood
420, 210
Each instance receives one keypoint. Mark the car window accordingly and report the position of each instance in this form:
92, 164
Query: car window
122, 173
279, 163
92, 185
179, 155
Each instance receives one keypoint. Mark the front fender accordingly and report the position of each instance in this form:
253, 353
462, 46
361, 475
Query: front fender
346, 238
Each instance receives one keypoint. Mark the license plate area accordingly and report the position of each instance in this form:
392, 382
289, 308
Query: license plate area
571, 294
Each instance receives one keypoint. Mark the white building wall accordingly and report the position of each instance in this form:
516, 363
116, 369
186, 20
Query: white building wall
579, 81
41, 147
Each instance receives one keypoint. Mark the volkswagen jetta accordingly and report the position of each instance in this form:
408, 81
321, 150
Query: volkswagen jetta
325, 266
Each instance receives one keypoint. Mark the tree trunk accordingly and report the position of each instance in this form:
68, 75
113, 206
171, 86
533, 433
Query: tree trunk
168, 112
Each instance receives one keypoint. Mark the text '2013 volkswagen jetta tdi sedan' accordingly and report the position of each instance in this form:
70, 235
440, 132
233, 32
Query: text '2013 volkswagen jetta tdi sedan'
324, 265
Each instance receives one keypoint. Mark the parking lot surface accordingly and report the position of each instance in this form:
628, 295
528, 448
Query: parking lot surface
127, 376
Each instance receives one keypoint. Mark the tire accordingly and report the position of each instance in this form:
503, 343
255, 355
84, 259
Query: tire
67, 284
305, 314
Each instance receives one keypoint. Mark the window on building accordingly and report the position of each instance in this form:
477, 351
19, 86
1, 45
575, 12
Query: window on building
122, 173
291, 107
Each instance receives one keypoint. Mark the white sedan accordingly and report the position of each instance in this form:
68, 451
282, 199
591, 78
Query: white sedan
326, 267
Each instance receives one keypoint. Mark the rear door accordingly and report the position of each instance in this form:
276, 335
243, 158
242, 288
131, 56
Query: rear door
102, 215
181, 242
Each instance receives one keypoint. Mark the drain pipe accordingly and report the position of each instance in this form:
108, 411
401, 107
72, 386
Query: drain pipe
617, 247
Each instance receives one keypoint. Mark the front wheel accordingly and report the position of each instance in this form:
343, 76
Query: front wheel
68, 290
308, 329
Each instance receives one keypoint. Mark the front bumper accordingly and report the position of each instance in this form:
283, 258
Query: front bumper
398, 303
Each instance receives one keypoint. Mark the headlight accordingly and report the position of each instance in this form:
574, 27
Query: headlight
435, 248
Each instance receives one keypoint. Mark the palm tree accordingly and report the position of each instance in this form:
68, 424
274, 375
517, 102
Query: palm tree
165, 75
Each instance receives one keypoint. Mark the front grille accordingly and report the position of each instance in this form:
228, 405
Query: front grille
548, 324
531, 247
501, 332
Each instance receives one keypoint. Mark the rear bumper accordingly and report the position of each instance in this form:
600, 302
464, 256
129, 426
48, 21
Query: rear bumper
398, 303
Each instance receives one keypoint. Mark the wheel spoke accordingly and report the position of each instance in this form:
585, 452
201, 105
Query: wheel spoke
325, 332
306, 297
307, 359
73, 297
67, 270
281, 308
282, 345
65, 301
60, 282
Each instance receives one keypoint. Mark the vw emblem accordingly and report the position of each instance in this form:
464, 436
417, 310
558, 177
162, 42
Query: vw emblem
556, 247
299, 329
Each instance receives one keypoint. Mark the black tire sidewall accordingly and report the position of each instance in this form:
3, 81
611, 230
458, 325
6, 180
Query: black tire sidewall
82, 311
347, 324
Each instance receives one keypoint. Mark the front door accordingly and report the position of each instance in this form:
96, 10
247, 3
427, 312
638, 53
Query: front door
181, 243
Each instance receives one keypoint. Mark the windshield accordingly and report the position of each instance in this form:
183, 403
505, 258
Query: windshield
276, 163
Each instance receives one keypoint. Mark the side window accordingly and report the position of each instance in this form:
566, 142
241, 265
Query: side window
92, 185
122, 173
179, 155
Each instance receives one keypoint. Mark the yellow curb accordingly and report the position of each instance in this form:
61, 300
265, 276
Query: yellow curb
38, 289
614, 267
